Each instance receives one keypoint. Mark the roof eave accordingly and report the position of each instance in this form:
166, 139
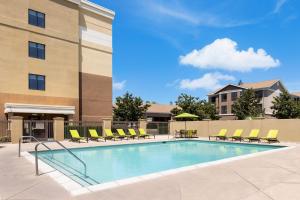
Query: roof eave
95, 8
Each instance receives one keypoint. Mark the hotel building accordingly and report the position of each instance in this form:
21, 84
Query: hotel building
265, 91
55, 59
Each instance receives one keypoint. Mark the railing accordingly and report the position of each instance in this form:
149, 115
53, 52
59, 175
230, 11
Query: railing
125, 125
31, 137
5, 131
60, 144
158, 128
42, 129
43, 143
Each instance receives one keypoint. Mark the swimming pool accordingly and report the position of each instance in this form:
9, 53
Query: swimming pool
116, 162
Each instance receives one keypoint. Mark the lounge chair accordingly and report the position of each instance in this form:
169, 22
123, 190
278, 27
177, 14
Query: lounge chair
189, 133
132, 132
253, 136
109, 135
75, 136
271, 137
177, 134
94, 135
143, 134
237, 135
220, 136
122, 134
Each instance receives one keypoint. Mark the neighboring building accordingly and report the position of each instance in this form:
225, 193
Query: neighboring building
159, 112
296, 96
226, 96
55, 60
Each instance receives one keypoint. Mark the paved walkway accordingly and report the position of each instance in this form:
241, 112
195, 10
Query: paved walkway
273, 176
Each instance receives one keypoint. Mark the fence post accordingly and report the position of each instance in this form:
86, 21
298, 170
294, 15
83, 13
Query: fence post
106, 124
58, 128
142, 124
16, 126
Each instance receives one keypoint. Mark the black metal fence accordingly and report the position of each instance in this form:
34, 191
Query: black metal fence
5, 131
82, 127
40, 129
158, 128
125, 125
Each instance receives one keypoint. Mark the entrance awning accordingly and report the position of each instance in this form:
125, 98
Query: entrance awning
35, 108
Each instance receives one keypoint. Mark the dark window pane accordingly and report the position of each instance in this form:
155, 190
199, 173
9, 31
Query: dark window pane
234, 96
36, 50
32, 50
224, 97
41, 51
36, 18
32, 82
32, 17
41, 82
41, 20
223, 109
36, 82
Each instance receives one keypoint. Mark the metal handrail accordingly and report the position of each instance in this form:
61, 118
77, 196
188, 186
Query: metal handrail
60, 144
31, 137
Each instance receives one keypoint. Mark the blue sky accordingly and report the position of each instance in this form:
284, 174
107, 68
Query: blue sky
166, 47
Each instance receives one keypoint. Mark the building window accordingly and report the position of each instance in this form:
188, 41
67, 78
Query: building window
223, 109
36, 50
234, 96
212, 99
36, 82
223, 97
36, 18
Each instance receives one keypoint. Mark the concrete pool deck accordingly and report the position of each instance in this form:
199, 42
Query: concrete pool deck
268, 176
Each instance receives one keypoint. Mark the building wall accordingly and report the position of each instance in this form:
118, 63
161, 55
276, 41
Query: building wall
268, 99
289, 129
95, 66
78, 64
61, 64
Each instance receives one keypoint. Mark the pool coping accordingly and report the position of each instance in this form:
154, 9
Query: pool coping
76, 189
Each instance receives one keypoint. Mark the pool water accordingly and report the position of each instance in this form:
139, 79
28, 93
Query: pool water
110, 163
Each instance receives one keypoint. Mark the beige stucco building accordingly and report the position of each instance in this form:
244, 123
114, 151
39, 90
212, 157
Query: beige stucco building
265, 91
55, 59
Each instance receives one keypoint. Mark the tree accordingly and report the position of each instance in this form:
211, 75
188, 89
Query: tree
186, 103
129, 108
247, 105
210, 110
284, 107
193, 105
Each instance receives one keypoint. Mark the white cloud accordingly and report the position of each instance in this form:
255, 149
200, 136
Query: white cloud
177, 11
279, 5
209, 81
119, 85
224, 54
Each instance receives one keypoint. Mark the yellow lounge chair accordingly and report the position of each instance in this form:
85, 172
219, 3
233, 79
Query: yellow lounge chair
253, 136
75, 136
271, 137
123, 134
237, 135
132, 132
94, 135
143, 134
109, 135
220, 136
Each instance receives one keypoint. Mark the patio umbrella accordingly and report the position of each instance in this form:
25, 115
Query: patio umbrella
186, 116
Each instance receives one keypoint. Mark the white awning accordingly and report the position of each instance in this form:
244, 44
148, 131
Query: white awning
35, 108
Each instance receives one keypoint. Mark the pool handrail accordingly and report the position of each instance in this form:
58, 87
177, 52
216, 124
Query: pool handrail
31, 137
60, 144
43, 143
